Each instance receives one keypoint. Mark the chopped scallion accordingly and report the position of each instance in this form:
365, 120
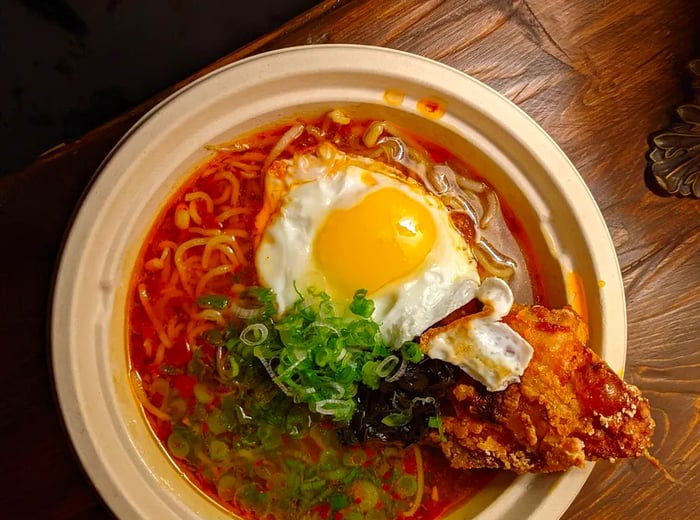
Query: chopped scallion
202, 393
254, 334
360, 305
387, 366
338, 501
213, 301
178, 444
313, 484
395, 420
406, 486
218, 450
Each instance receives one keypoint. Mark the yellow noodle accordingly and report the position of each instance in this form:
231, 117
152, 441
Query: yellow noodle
205, 231
421, 483
490, 209
234, 182
468, 184
200, 195
179, 329
143, 297
192, 322
171, 292
206, 278
167, 265
372, 134
238, 233
193, 263
172, 328
256, 156
244, 167
211, 315
148, 347
339, 117
160, 354
195, 332
181, 217
193, 270
157, 263
225, 194
214, 243
137, 385
164, 403
233, 212
194, 213
251, 174
211, 171
238, 288
239, 252
167, 244
174, 279
154, 264
226, 254
180, 259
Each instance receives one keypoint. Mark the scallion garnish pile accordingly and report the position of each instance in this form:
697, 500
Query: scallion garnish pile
316, 352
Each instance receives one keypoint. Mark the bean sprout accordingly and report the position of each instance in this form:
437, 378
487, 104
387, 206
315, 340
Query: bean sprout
287, 138
231, 147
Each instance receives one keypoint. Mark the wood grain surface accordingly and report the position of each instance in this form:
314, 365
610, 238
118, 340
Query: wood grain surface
599, 76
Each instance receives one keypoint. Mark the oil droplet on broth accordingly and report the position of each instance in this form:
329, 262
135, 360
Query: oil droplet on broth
394, 97
431, 107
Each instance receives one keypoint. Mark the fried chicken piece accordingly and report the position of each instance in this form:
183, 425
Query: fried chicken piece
568, 407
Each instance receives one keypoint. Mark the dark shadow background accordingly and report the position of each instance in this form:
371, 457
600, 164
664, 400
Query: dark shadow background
67, 66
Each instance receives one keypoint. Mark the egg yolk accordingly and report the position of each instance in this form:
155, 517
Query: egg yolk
385, 237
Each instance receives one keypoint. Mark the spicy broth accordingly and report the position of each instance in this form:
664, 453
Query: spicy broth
242, 441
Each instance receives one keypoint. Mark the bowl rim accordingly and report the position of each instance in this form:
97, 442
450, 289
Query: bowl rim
553, 506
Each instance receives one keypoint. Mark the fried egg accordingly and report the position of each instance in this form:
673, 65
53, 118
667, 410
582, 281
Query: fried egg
339, 223
483, 346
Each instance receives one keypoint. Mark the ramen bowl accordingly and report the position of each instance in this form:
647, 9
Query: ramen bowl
566, 230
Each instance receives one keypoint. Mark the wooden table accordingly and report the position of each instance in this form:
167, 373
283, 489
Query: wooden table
598, 75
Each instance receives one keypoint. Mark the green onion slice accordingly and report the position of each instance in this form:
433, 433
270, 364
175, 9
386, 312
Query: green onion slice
254, 334
213, 301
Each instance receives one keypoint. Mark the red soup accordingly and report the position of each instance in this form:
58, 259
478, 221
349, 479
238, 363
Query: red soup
212, 396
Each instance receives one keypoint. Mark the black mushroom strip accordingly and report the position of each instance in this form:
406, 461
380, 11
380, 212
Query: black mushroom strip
417, 396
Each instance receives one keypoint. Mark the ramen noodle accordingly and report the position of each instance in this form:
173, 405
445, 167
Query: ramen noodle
218, 401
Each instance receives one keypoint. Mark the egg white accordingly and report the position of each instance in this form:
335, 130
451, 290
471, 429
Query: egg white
483, 346
307, 188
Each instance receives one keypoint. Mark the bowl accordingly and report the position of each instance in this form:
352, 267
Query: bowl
569, 236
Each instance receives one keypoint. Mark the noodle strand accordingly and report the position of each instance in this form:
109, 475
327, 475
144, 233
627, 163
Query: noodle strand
137, 385
420, 477
143, 297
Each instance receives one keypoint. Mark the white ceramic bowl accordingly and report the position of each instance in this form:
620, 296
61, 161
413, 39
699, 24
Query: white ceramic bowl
527, 168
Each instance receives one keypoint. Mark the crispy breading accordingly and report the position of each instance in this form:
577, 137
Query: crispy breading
568, 407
